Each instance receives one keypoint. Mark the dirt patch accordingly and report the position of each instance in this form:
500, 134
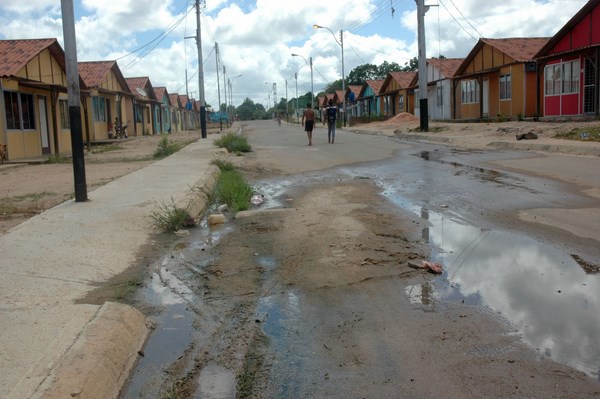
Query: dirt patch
312, 300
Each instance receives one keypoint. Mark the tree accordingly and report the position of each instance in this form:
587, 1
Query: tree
362, 73
386, 67
333, 86
411, 65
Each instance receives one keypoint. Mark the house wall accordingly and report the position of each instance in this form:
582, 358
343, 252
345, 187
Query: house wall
27, 143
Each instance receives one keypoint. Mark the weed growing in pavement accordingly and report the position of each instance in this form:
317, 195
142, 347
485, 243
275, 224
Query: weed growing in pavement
233, 143
232, 189
168, 216
166, 147
588, 133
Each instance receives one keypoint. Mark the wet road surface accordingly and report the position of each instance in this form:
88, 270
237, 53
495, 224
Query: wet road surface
526, 274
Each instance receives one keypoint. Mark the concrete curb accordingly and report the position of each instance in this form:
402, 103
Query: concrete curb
101, 358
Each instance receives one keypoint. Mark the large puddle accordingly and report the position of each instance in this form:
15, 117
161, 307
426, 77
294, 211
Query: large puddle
546, 295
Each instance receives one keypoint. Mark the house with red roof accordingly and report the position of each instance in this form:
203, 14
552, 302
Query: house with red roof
570, 83
108, 102
440, 78
396, 93
498, 79
176, 111
34, 112
163, 112
144, 105
186, 114
368, 102
352, 92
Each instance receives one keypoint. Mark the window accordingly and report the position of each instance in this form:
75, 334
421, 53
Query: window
562, 78
401, 102
439, 96
505, 87
19, 111
470, 91
65, 122
99, 105
11, 106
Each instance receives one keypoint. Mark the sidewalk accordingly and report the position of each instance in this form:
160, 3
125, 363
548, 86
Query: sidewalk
53, 346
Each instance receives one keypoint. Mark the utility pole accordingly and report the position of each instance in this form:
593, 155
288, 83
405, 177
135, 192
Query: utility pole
343, 75
424, 113
297, 116
68, 16
200, 73
218, 86
225, 95
287, 108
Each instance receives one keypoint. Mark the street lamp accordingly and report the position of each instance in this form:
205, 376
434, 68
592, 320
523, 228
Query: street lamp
230, 82
312, 92
341, 44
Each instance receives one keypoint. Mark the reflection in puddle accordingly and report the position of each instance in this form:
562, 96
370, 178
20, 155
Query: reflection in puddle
542, 291
174, 329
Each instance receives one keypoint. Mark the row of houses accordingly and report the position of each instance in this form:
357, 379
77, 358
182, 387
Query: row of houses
508, 78
34, 112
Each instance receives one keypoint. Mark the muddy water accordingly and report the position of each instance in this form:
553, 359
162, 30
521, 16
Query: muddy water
491, 260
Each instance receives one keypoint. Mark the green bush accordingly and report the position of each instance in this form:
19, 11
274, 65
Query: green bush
233, 143
232, 189
222, 164
166, 148
169, 217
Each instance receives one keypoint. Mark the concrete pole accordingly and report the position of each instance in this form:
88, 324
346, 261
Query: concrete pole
312, 90
225, 95
287, 107
343, 75
424, 113
68, 16
218, 86
200, 73
297, 116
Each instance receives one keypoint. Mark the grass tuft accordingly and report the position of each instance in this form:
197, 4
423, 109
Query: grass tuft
222, 164
591, 133
166, 147
169, 217
232, 189
233, 143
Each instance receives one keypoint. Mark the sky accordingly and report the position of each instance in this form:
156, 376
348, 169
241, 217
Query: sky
156, 38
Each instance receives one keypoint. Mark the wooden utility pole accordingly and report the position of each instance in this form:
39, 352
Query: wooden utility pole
68, 17
218, 86
423, 113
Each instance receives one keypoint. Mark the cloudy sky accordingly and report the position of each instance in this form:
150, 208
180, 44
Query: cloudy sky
257, 37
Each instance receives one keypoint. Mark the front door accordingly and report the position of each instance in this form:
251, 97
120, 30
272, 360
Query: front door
44, 133
589, 87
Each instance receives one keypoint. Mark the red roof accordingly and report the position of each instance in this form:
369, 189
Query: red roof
15, 54
93, 73
160, 92
521, 49
375, 85
588, 19
142, 83
447, 66
174, 99
404, 79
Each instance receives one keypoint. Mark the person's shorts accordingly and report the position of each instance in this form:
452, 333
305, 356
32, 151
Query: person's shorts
308, 126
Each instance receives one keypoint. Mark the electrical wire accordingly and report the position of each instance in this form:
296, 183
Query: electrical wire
455, 20
157, 39
465, 18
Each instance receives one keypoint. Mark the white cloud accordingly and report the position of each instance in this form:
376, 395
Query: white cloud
256, 38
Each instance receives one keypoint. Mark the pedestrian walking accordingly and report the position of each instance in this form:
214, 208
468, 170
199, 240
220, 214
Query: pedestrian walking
331, 115
308, 122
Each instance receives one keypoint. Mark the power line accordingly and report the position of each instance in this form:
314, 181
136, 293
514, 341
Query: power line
455, 20
161, 36
465, 18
